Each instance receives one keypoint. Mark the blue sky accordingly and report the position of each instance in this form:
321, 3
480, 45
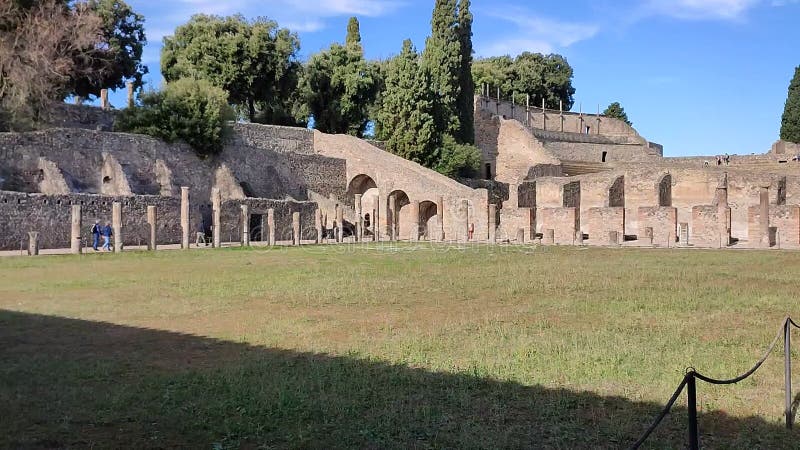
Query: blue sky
698, 76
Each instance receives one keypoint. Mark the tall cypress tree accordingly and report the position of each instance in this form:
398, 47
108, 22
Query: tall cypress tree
442, 63
466, 97
790, 123
405, 121
353, 38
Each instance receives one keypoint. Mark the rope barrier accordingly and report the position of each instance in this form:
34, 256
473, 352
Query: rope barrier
663, 414
691, 374
752, 370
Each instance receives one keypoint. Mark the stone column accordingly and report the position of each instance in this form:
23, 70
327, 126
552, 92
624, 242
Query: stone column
104, 98
185, 224
245, 225
296, 237
33, 243
129, 85
492, 223
549, 236
324, 226
216, 217
151, 220
764, 215
723, 212
414, 231
271, 226
465, 223
440, 214
318, 224
392, 218
75, 234
116, 222
359, 218
381, 217
340, 223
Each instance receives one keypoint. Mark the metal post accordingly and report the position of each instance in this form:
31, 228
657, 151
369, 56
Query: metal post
691, 394
787, 367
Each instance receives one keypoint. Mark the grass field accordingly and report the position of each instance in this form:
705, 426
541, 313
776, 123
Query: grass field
390, 347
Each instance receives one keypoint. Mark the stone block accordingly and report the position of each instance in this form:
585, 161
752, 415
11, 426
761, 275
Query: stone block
563, 222
599, 222
662, 219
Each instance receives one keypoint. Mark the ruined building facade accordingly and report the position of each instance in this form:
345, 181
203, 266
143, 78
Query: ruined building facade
558, 177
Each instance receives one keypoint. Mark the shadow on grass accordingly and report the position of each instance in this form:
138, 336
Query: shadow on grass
68, 383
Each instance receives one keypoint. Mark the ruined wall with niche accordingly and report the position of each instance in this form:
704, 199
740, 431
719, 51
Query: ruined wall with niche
126, 164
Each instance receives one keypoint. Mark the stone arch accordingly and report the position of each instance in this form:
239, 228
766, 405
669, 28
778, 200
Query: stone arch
428, 218
398, 218
360, 184
664, 188
616, 193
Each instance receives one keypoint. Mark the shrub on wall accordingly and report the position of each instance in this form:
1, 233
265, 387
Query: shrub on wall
458, 160
194, 111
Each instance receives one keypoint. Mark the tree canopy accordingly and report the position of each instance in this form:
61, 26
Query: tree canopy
543, 77
616, 111
790, 122
253, 61
41, 45
119, 58
405, 120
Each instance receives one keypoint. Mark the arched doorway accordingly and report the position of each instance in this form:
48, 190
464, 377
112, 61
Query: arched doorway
398, 215
428, 219
366, 186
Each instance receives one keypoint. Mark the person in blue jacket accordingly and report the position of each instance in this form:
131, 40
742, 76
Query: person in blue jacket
96, 234
107, 233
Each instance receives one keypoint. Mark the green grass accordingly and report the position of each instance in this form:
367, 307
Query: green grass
390, 347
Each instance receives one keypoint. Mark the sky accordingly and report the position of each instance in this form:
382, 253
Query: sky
701, 77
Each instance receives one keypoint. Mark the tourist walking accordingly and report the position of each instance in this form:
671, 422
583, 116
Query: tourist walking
96, 235
107, 233
201, 235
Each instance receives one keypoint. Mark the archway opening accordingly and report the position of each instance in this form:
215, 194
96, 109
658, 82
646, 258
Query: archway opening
428, 219
398, 215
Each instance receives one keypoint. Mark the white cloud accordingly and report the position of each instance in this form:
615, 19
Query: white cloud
700, 9
534, 33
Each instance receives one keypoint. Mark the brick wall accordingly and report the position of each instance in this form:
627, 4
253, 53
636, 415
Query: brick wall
662, 219
561, 220
599, 221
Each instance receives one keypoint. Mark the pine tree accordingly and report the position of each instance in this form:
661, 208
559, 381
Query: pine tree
442, 62
466, 97
790, 123
353, 39
616, 111
405, 120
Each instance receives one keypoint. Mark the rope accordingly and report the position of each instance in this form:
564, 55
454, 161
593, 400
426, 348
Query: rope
663, 414
752, 370
691, 372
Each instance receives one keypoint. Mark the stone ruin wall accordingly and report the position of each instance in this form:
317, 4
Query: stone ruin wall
50, 215
74, 165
